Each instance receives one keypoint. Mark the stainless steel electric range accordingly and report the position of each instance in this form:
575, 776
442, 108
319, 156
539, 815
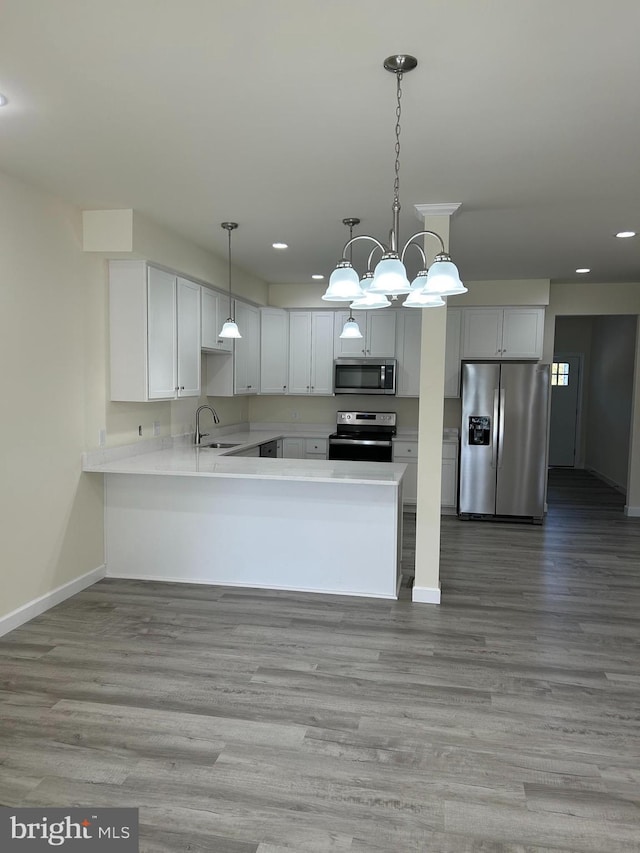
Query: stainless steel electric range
363, 436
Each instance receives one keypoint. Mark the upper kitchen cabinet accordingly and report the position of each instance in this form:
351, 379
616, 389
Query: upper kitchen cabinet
239, 373
274, 351
311, 352
378, 335
215, 310
154, 333
502, 333
409, 344
247, 349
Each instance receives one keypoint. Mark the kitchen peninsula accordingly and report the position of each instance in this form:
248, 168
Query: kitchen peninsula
199, 515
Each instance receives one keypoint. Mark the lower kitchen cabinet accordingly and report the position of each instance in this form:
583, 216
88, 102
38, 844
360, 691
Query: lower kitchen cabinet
407, 452
449, 493
304, 448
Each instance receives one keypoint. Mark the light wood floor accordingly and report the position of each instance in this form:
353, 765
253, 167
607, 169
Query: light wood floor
504, 721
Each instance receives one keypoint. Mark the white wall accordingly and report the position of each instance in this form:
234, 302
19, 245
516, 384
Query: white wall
51, 342
608, 412
54, 350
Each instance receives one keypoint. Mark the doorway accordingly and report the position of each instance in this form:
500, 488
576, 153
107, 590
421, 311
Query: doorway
566, 394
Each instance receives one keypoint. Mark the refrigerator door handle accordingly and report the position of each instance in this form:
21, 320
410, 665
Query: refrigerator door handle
501, 428
494, 431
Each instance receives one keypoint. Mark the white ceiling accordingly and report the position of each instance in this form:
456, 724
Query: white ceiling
279, 115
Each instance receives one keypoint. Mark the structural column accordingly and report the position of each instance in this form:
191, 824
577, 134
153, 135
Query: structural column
426, 587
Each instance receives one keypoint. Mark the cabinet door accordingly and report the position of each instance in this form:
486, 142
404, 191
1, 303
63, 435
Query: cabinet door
274, 351
522, 332
161, 335
452, 353
299, 352
188, 298
293, 448
482, 333
247, 349
322, 352
449, 477
409, 331
212, 318
381, 333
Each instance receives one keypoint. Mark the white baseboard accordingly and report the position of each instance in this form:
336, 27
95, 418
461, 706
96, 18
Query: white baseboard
425, 595
632, 511
50, 599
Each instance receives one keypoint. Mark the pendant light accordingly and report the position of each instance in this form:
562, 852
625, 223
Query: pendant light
230, 328
351, 329
390, 275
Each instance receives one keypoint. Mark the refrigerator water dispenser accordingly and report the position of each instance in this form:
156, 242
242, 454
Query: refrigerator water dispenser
479, 430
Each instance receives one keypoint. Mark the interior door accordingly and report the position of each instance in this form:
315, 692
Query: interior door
565, 381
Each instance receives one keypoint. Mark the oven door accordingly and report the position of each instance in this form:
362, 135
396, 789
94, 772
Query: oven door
360, 450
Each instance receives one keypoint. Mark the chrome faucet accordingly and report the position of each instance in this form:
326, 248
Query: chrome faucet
200, 435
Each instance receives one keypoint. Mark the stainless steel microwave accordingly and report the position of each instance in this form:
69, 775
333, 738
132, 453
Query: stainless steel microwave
365, 375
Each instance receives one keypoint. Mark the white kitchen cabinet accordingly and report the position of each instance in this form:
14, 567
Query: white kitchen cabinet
311, 352
408, 345
154, 333
247, 349
239, 372
304, 448
378, 334
274, 351
452, 353
293, 448
502, 333
449, 481
406, 451
214, 311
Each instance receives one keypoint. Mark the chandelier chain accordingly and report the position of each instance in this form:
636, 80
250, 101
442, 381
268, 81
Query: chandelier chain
396, 182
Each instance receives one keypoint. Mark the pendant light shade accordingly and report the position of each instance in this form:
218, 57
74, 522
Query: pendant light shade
443, 277
229, 327
351, 329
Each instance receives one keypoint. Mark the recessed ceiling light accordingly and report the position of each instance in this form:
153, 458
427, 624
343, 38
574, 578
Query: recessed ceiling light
279, 245
583, 270
317, 277
623, 234
3, 100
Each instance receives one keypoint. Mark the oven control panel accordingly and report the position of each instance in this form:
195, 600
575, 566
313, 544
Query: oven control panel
380, 419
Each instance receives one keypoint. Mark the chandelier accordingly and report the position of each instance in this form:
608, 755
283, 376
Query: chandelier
389, 276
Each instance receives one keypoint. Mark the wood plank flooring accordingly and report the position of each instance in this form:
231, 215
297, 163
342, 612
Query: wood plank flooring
506, 720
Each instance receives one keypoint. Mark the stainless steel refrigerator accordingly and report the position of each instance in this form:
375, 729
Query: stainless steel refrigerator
503, 441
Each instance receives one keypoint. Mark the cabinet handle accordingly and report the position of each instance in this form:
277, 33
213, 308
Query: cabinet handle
284, 387
182, 387
307, 387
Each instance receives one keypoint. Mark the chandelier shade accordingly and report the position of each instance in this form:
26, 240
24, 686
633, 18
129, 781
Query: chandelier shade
443, 278
390, 277
351, 329
344, 284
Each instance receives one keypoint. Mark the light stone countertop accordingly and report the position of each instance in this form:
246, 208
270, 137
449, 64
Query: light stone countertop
184, 459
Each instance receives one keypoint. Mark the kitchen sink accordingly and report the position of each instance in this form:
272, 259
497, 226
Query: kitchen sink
217, 445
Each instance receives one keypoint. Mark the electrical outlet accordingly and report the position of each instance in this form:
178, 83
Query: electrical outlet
295, 415
156, 428
140, 430
102, 437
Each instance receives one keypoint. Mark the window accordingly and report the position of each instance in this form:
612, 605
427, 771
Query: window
559, 373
